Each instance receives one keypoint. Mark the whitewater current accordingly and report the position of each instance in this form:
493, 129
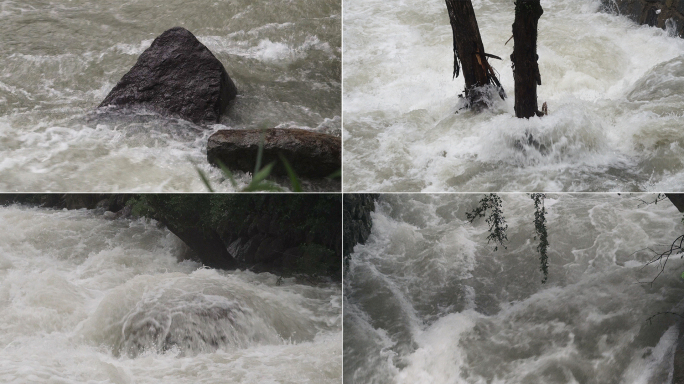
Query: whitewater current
84, 300
428, 300
614, 90
59, 59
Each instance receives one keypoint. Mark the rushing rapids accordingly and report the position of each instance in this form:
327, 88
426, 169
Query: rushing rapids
428, 300
86, 299
614, 89
59, 59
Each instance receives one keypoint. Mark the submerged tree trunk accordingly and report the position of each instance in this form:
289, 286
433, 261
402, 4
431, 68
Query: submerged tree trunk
524, 57
469, 50
677, 200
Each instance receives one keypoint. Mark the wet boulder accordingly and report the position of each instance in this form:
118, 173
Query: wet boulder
665, 14
310, 154
176, 76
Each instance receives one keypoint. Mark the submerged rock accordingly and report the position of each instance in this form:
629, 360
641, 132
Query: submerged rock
310, 154
177, 76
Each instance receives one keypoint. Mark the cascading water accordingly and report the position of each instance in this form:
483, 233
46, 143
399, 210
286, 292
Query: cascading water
615, 92
59, 59
427, 300
84, 299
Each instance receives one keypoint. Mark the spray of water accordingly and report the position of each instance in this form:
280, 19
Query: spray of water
427, 300
614, 91
86, 299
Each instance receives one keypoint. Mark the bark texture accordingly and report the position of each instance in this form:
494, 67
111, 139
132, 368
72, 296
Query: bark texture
470, 52
207, 245
524, 57
310, 154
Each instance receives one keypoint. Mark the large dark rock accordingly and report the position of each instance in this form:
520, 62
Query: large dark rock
176, 76
311, 154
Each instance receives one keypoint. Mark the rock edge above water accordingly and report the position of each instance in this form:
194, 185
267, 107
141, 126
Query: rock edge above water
311, 154
655, 13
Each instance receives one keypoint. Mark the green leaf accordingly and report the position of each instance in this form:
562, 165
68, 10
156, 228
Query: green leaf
227, 173
260, 152
335, 174
296, 187
205, 180
262, 187
258, 184
261, 175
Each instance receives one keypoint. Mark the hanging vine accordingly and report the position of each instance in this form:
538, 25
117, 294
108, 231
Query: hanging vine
540, 229
495, 220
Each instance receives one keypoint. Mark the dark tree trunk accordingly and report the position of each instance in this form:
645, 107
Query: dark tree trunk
677, 200
206, 244
469, 50
524, 57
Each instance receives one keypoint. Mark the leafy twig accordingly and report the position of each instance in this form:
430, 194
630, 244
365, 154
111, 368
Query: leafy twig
495, 220
540, 229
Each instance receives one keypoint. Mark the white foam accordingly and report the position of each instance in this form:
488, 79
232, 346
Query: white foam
80, 295
431, 302
403, 132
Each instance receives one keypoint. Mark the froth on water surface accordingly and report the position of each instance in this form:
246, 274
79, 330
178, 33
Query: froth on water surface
58, 60
85, 299
614, 91
428, 300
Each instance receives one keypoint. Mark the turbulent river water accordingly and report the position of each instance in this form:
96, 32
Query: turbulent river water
59, 59
427, 300
615, 92
84, 299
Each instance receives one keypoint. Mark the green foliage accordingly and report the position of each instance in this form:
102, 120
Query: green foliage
495, 220
540, 229
294, 180
497, 225
259, 182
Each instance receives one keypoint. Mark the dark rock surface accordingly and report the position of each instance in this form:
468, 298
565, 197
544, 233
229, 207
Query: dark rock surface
655, 13
357, 221
310, 154
176, 76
